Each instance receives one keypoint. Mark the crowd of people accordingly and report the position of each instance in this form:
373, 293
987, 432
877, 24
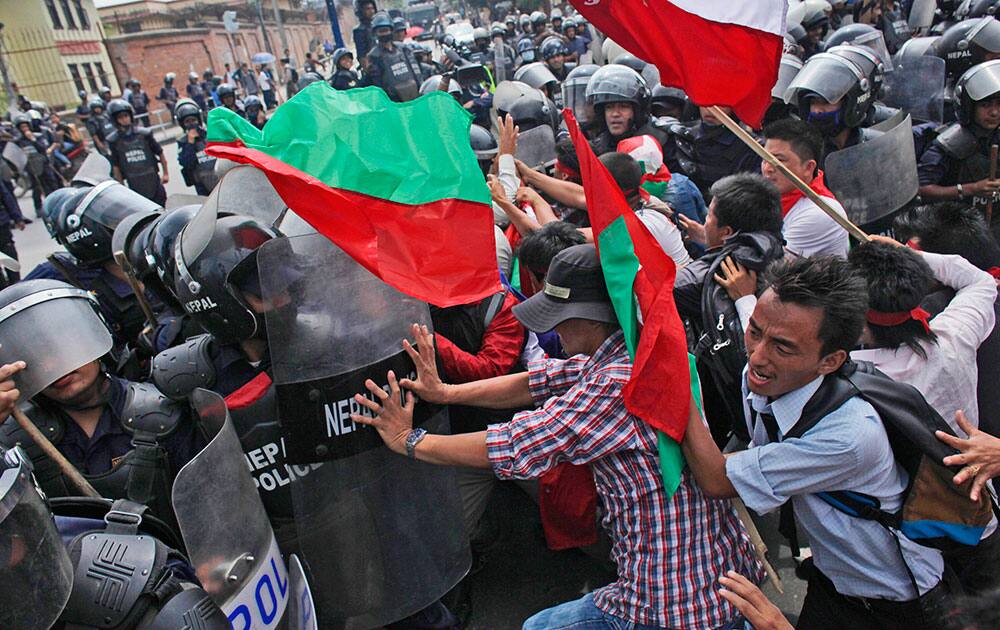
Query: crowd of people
848, 384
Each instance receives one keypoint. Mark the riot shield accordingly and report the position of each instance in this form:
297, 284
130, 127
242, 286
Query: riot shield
874, 179
225, 529
245, 190
48, 316
917, 87
16, 156
380, 535
301, 609
94, 170
922, 14
499, 60
179, 200
35, 568
790, 66
536, 147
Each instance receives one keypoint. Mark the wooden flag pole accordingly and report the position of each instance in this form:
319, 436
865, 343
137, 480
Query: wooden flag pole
751, 142
53, 453
993, 175
758, 543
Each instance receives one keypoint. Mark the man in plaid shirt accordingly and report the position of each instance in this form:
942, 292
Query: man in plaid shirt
670, 553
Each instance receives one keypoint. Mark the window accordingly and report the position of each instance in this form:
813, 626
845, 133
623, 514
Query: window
70, 20
90, 77
75, 72
53, 14
81, 13
102, 76
132, 27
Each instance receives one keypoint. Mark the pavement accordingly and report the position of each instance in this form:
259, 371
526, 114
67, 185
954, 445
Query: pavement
518, 575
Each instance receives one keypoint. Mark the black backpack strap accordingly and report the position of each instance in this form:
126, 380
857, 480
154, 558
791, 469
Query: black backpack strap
494, 308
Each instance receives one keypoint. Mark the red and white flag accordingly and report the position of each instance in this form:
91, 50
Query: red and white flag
720, 52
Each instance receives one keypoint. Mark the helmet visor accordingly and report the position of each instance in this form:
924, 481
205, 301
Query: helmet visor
829, 76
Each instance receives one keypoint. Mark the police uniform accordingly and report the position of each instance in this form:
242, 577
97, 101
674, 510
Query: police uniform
364, 39
707, 153
344, 79
40, 172
395, 71
135, 152
197, 167
959, 155
141, 440
139, 101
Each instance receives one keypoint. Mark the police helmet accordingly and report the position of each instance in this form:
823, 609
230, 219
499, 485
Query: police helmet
914, 48
538, 18
524, 22
210, 257
967, 43
979, 83
104, 90
817, 16
308, 78
52, 205
192, 76
87, 220
94, 104
663, 96
567, 24
21, 119
867, 60
848, 33
216, 82
537, 75
226, 89
553, 47
253, 103
497, 30
169, 77
339, 54
510, 19
531, 110
398, 24
82, 94
977, 8
433, 84
381, 20
118, 106
557, 14
619, 84
35, 119
574, 92
526, 51
480, 34
161, 240
207, 74
835, 79
484, 145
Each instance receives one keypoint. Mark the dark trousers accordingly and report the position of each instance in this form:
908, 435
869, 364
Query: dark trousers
826, 609
41, 185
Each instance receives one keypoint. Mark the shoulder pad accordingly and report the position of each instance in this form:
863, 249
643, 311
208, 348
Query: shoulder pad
143, 131
100, 559
180, 370
957, 141
147, 410
11, 433
191, 608
111, 137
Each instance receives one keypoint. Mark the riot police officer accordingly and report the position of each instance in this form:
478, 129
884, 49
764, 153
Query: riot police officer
84, 225
139, 101
398, 29
554, 52
35, 145
126, 438
253, 110
391, 66
99, 125
957, 164
835, 93
168, 92
135, 154
968, 43
620, 99
227, 96
197, 167
344, 77
364, 38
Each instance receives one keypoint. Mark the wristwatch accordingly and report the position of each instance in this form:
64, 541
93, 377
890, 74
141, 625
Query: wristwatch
413, 439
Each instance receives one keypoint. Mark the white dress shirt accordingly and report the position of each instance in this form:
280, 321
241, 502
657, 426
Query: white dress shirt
809, 231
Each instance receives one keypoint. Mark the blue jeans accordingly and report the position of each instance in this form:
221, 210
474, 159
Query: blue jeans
582, 614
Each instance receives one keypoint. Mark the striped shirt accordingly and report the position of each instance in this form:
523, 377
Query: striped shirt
670, 553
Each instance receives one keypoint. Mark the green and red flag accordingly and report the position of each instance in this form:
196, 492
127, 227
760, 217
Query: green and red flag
395, 185
640, 280
647, 152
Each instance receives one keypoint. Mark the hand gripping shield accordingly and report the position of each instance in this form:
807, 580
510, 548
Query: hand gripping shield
380, 535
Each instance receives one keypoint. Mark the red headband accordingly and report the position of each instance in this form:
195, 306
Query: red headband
994, 271
567, 171
895, 319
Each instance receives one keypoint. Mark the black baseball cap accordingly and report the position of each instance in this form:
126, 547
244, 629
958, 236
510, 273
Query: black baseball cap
574, 289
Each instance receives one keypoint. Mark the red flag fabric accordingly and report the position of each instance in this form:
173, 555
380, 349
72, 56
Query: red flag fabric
720, 52
634, 264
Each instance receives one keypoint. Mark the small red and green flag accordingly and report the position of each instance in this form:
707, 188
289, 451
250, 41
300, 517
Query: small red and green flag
640, 280
395, 185
647, 152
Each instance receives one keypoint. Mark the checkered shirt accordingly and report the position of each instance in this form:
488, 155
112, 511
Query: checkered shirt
670, 553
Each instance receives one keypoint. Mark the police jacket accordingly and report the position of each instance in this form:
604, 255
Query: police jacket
477, 341
135, 152
363, 39
344, 79
197, 167
604, 141
395, 71
959, 155
142, 439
